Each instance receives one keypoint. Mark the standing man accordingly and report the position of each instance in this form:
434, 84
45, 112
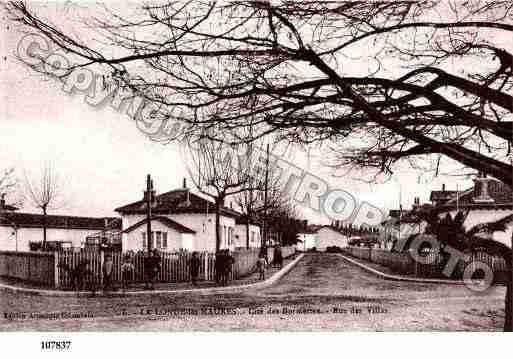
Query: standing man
219, 266
278, 256
227, 266
194, 266
108, 267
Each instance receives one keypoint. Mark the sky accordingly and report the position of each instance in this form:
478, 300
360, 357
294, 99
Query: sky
102, 158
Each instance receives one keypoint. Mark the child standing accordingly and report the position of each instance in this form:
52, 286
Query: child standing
261, 264
127, 271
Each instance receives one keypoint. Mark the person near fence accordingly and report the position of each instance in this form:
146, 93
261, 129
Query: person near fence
261, 266
219, 265
194, 267
152, 269
108, 269
127, 272
278, 256
89, 277
226, 269
148, 269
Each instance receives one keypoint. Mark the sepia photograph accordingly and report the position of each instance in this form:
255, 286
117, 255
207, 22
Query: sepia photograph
255, 166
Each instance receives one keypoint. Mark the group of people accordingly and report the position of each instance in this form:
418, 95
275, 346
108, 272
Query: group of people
223, 266
83, 278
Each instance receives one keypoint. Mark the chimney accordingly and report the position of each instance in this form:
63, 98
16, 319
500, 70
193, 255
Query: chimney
443, 187
481, 194
153, 193
2, 202
185, 182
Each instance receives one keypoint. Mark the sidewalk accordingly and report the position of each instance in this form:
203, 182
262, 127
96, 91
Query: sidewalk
250, 281
387, 273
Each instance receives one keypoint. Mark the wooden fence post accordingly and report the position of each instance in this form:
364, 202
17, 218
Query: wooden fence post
56, 268
205, 255
102, 258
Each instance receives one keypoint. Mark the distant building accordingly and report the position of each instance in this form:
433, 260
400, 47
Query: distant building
487, 201
18, 231
306, 239
321, 237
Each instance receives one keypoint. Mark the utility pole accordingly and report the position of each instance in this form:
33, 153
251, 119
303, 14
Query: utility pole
149, 195
265, 234
509, 291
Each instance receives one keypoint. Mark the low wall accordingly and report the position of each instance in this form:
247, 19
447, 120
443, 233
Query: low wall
403, 262
33, 267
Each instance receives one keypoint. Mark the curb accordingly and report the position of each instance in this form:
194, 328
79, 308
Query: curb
212, 290
400, 277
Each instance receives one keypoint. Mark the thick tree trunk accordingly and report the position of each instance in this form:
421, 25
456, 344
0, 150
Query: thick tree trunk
219, 201
247, 233
508, 309
508, 321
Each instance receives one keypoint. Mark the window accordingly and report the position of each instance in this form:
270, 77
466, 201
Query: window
230, 236
164, 239
252, 237
144, 239
159, 239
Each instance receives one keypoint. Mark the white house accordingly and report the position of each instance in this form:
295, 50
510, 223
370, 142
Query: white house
307, 240
181, 220
327, 236
488, 200
321, 237
241, 234
18, 230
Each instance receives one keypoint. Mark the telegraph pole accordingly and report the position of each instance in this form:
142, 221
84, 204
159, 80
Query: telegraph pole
509, 291
266, 184
148, 196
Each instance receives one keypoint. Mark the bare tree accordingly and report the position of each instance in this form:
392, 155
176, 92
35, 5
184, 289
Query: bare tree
264, 192
45, 193
287, 67
219, 171
9, 187
380, 82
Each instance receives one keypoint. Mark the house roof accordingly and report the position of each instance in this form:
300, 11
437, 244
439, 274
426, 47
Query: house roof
31, 220
165, 221
437, 196
174, 202
499, 192
8, 207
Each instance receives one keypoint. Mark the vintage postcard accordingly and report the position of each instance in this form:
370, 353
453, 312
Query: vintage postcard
256, 166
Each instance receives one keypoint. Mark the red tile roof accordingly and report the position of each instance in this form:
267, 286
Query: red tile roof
164, 220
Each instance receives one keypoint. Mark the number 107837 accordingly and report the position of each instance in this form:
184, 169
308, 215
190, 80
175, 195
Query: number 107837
55, 344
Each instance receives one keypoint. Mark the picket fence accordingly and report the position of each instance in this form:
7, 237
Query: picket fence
174, 267
403, 262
